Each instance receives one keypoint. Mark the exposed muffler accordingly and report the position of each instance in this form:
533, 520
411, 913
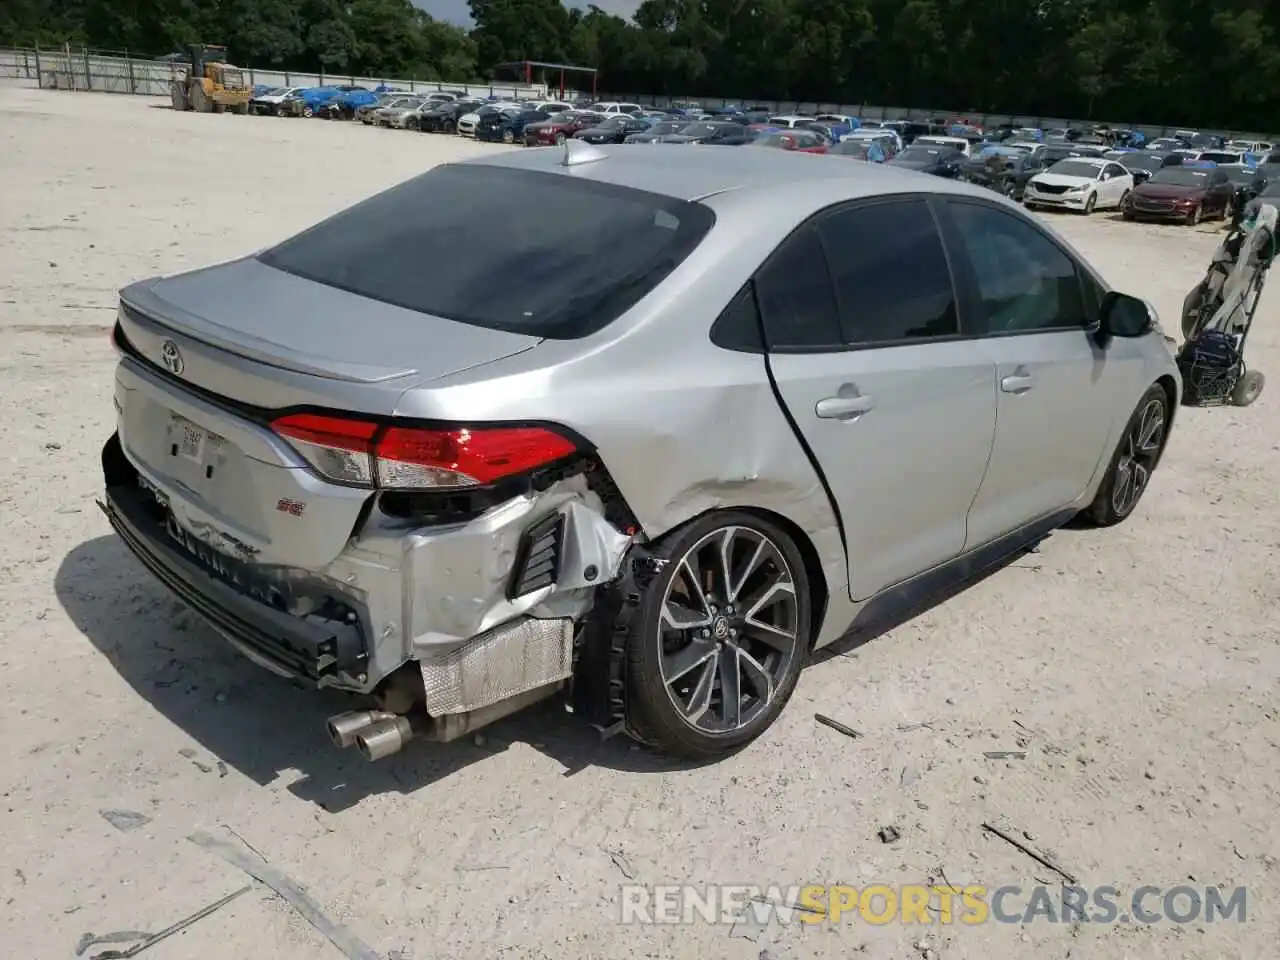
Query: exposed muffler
389, 736
344, 727
378, 734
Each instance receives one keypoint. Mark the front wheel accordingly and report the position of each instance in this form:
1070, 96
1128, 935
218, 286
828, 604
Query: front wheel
717, 642
1090, 203
1124, 201
508, 136
560, 138
308, 112
1134, 460
1193, 216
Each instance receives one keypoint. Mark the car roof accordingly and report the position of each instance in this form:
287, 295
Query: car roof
695, 174
1091, 161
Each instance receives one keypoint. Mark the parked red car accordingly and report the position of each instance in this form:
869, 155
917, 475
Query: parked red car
1182, 192
561, 127
799, 140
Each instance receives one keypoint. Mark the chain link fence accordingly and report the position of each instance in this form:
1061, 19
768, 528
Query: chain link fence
118, 72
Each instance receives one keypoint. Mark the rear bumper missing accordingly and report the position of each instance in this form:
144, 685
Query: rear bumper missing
283, 643
480, 612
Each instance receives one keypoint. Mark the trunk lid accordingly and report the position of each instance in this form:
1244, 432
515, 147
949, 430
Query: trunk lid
210, 355
255, 312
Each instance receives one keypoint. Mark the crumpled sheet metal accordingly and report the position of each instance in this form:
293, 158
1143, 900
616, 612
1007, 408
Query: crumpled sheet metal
457, 579
589, 541
501, 663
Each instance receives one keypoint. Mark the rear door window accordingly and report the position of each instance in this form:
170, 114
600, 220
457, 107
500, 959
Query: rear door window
890, 273
499, 261
795, 296
1025, 283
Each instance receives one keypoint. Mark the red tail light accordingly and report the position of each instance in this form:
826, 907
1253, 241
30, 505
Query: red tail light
414, 458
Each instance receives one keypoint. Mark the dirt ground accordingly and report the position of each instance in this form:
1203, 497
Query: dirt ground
1137, 667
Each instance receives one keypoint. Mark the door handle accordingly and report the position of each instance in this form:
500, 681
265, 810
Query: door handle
1018, 383
844, 408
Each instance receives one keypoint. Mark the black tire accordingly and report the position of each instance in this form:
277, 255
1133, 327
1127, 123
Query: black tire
1135, 457
1247, 388
652, 714
508, 136
1090, 204
1229, 209
1193, 216
560, 139
1191, 318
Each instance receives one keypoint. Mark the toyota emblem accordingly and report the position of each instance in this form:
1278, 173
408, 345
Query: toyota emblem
171, 357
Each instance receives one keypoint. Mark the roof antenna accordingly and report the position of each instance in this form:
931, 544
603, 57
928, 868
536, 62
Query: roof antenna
579, 151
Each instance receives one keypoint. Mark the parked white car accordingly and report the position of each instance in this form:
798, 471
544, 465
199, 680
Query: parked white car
1030, 147
1249, 146
791, 121
888, 136
269, 103
611, 108
955, 143
550, 106
1080, 183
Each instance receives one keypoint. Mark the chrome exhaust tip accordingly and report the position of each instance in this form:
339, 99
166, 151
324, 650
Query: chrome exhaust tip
343, 727
384, 738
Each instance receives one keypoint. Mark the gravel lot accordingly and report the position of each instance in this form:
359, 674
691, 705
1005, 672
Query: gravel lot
1137, 666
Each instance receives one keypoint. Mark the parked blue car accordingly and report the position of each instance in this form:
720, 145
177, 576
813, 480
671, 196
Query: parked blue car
345, 104
306, 102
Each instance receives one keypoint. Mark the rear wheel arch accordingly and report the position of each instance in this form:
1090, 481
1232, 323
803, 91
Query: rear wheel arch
819, 592
1166, 382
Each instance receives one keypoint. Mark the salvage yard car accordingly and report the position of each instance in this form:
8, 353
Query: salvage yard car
1080, 183
508, 125
1182, 192
939, 161
661, 423
560, 127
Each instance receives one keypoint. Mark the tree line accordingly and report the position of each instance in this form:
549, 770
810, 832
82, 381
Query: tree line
1213, 63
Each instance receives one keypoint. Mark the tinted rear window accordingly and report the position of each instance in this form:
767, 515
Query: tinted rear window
496, 258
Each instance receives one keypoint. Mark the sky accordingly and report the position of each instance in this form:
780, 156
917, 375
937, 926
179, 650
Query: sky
456, 11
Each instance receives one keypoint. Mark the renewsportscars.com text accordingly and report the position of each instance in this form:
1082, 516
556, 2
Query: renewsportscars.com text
882, 904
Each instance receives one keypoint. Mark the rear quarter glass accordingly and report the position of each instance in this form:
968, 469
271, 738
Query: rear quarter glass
526, 252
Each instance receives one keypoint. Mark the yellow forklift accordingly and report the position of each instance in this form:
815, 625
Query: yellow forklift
210, 84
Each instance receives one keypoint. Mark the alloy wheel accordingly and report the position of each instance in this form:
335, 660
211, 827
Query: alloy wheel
729, 629
1138, 457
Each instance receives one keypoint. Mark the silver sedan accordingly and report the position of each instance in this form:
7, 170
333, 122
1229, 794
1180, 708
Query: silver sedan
655, 426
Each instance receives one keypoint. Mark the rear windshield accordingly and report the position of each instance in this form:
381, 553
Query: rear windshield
497, 259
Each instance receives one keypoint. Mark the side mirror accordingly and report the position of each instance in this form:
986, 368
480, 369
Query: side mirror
1124, 316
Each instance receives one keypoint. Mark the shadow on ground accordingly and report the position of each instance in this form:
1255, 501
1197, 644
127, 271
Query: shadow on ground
262, 725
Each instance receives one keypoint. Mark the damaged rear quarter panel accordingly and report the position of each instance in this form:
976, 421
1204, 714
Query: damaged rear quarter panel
682, 426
